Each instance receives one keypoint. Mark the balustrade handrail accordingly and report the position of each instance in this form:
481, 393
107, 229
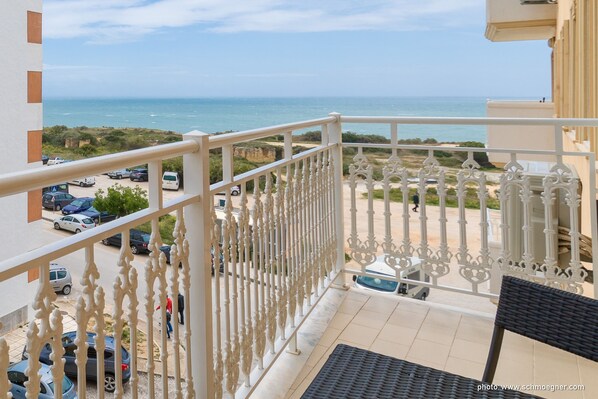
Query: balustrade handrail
407, 120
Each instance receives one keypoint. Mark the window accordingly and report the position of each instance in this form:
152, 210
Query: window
70, 351
61, 274
17, 378
68, 218
108, 354
52, 276
91, 353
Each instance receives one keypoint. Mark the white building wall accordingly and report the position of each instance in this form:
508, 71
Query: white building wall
520, 137
17, 117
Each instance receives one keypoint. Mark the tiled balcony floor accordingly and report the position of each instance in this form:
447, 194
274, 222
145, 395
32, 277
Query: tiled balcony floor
435, 335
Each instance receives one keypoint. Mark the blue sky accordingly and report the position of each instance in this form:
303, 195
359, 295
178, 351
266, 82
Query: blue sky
273, 48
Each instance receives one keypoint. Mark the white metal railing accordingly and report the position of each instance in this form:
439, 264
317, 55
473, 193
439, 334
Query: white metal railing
280, 245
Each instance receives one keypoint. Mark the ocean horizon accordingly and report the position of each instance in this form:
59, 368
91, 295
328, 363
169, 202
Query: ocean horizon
212, 115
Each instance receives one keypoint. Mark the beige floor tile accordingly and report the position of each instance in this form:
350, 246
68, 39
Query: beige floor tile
425, 362
316, 355
463, 367
588, 372
340, 320
516, 347
359, 334
435, 333
398, 334
350, 307
471, 351
414, 306
370, 319
389, 348
338, 342
329, 336
554, 366
514, 371
380, 305
429, 351
357, 296
405, 318
475, 330
443, 318
301, 376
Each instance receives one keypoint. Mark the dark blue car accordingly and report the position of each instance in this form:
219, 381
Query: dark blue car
70, 367
77, 206
97, 216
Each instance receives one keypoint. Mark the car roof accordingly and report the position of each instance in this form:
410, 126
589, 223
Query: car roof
171, 173
56, 266
90, 338
79, 215
55, 192
45, 371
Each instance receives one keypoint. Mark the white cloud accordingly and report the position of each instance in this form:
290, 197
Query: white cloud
125, 20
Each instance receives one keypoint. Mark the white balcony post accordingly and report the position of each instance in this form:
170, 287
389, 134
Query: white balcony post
335, 136
199, 224
155, 184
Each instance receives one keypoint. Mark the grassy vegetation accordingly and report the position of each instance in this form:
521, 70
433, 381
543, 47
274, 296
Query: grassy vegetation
432, 198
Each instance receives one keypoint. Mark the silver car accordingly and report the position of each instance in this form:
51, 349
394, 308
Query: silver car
119, 174
60, 279
75, 223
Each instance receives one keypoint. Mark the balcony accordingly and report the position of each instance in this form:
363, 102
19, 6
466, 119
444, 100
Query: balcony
509, 20
289, 246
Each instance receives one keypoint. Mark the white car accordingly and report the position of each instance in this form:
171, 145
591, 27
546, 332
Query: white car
234, 191
55, 161
381, 278
84, 181
75, 223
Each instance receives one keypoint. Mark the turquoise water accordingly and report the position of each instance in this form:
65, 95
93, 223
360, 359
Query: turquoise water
212, 115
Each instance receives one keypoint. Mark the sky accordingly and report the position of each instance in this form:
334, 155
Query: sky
283, 48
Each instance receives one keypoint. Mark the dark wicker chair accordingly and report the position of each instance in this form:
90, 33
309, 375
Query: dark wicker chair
552, 316
558, 318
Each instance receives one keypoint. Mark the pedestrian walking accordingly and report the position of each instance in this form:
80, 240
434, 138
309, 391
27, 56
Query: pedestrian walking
181, 308
168, 323
415, 202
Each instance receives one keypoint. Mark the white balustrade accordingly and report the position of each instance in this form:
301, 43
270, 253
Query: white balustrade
252, 271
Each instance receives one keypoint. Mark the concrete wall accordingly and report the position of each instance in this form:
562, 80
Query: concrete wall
20, 126
527, 137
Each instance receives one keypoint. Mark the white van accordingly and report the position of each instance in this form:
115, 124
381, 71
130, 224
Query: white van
171, 181
386, 283
84, 181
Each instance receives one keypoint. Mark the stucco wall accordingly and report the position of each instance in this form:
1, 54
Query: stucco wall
17, 117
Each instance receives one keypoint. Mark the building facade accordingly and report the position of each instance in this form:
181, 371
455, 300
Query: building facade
21, 146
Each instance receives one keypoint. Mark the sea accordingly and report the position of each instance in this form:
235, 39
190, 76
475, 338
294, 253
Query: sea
212, 115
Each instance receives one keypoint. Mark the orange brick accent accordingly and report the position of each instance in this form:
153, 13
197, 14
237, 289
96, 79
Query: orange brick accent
32, 274
34, 146
34, 87
34, 205
34, 27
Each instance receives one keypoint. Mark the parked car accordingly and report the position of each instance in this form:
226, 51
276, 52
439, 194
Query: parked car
78, 205
234, 191
55, 161
16, 376
416, 180
84, 181
97, 216
60, 279
171, 181
91, 367
56, 200
75, 223
64, 187
45, 159
138, 241
140, 174
119, 174
386, 282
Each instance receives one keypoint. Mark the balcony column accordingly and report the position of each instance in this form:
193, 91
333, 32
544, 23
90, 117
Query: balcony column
335, 137
198, 222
